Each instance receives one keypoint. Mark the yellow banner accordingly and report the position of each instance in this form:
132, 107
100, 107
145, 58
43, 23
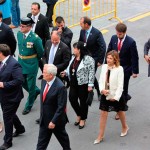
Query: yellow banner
86, 5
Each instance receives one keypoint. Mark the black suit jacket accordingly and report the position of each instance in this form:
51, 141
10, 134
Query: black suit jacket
53, 108
42, 28
66, 36
11, 76
129, 59
62, 56
95, 44
7, 37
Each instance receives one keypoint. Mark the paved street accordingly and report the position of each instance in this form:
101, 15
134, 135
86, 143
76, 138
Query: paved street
139, 106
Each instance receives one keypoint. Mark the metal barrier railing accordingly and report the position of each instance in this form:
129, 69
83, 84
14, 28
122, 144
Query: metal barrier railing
71, 10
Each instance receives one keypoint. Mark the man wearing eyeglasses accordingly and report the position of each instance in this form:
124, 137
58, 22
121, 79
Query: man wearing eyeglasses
30, 52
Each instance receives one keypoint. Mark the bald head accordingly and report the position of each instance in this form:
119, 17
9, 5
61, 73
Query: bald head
55, 37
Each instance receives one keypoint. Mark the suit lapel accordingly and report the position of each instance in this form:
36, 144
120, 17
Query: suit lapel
48, 49
57, 52
90, 35
5, 65
37, 24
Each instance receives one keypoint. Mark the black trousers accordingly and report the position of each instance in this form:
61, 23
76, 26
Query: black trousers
10, 120
96, 85
126, 84
49, 12
45, 136
77, 97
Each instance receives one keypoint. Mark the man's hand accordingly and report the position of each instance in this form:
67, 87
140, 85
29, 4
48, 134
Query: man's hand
59, 30
147, 58
51, 125
134, 75
1, 85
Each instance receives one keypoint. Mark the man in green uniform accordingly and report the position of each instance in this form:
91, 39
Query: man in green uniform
30, 52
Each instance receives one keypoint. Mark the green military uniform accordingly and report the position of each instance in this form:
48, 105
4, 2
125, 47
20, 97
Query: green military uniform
30, 52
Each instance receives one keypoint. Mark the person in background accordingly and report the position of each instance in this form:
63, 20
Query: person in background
15, 11
81, 72
7, 35
30, 52
40, 27
5, 8
111, 88
95, 44
64, 31
146, 56
128, 54
49, 13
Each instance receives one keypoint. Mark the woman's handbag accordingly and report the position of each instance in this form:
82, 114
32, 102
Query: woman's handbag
2, 2
90, 98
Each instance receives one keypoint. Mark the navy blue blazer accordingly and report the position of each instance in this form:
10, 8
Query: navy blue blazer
129, 58
95, 44
7, 37
53, 108
11, 76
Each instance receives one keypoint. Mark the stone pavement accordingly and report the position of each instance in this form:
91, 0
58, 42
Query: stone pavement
138, 114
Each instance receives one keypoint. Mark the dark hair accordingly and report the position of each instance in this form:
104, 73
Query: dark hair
35, 3
5, 49
82, 47
1, 15
87, 20
115, 56
59, 19
121, 27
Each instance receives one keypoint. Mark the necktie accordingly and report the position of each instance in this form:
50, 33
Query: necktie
51, 56
45, 92
119, 45
1, 65
24, 36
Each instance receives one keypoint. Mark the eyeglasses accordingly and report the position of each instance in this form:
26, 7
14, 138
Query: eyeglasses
23, 26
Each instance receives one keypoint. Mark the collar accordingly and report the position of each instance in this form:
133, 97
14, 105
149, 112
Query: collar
6, 58
26, 34
51, 82
122, 39
89, 30
36, 17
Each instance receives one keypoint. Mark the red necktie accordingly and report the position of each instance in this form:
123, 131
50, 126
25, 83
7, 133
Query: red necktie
119, 45
45, 92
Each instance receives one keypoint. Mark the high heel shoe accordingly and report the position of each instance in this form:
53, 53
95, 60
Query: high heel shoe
76, 123
82, 126
125, 133
98, 141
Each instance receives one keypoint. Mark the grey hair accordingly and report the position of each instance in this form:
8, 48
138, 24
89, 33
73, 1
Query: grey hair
51, 69
56, 33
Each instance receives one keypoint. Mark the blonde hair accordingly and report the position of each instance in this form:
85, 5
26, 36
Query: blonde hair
115, 56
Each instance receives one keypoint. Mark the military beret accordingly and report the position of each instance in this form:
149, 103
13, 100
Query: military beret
27, 21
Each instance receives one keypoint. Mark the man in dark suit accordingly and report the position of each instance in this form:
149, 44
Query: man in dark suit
146, 56
127, 49
11, 93
49, 13
57, 53
64, 31
7, 35
53, 104
40, 27
94, 42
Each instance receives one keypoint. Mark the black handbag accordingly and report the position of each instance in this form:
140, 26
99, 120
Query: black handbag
90, 98
2, 2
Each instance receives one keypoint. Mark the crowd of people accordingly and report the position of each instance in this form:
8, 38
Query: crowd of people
60, 63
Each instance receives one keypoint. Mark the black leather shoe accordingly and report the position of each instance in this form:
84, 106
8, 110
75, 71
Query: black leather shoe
40, 77
37, 121
24, 112
16, 133
76, 123
5, 146
128, 97
81, 127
